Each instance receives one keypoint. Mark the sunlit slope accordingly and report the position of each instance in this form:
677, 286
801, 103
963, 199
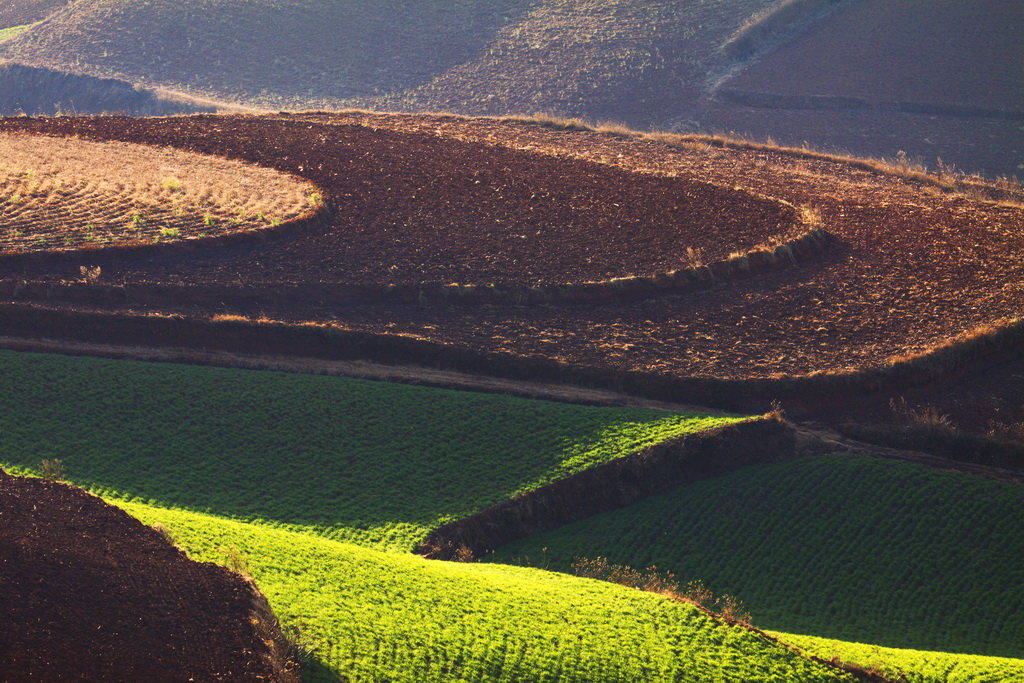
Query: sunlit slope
913, 666
371, 462
385, 616
844, 546
602, 58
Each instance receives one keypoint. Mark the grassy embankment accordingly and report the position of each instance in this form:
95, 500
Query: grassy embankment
850, 547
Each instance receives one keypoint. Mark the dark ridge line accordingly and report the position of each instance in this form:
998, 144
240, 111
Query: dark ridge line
613, 485
760, 100
630, 288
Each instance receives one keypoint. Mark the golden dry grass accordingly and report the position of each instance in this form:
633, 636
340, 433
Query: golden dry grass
59, 193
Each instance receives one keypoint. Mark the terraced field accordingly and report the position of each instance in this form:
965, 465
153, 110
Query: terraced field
374, 616
367, 462
849, 547
60, 193
914, 263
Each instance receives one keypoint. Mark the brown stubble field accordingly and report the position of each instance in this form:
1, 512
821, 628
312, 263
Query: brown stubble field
913, 265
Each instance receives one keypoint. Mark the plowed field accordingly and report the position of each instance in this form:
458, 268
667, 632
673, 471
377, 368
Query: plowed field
912, 266
90, 590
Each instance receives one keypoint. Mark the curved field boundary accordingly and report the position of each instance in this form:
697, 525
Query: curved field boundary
763, 100
760, 260
804, 394
614, 485
686, 279
764, 30
316, 220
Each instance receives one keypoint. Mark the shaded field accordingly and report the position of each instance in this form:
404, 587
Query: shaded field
925, 51
844, 546
90, 590
915, 263
42, 91
20, 12
385, 616
935, 79
61, 193
369, 462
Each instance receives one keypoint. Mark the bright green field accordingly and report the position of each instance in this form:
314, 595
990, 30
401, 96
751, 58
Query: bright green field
369, 462
379, 616
914, 666
849, 547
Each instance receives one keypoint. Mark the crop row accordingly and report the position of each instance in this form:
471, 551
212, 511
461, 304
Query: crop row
373, 616
374, 463
846, 546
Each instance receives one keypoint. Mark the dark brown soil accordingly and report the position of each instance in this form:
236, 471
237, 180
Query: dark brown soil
89, 593
414, 207
912, 266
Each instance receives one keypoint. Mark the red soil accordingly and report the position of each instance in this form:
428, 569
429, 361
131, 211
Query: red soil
414, 207
90, 593
912, 266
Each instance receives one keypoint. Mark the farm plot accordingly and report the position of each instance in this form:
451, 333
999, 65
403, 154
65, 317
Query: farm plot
846, 546
62, 193
915, 262
374, 463
372, 616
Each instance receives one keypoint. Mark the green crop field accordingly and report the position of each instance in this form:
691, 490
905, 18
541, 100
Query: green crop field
370, 462
375, 616
848, 547
913, 666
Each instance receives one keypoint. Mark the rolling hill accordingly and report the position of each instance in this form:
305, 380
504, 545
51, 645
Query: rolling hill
650, 63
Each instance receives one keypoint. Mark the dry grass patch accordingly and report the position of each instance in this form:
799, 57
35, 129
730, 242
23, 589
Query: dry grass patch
59, 193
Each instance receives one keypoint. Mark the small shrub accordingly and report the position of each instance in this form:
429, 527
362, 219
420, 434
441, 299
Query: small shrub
209, 220
90, 273
170, 232
171, 184
52, 469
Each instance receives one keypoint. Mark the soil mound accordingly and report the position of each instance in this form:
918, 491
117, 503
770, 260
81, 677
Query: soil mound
91, 593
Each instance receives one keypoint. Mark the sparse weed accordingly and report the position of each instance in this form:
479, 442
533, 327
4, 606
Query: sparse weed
52, 469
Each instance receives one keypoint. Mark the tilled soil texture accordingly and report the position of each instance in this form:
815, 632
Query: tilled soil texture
911, 267
90, 593
415, 207
60, 193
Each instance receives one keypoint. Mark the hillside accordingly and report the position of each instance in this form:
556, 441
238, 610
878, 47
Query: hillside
88, 589
848, 547
649, 63
41, 91
388, 616
21, 12
933, 78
